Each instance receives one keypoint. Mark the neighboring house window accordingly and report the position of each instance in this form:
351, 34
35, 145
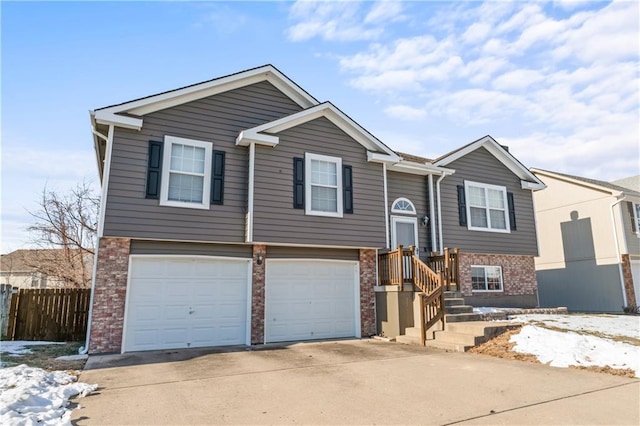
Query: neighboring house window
323, 178
487, 207
186, 173
636, 218
402, 205
486, 278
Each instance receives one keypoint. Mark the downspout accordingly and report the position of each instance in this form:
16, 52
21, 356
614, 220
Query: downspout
440, 212
252, 161
618, 254
386, 204
432, 214
83, 350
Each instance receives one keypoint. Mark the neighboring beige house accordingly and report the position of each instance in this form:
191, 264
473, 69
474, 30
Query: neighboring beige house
589, 242
45, 268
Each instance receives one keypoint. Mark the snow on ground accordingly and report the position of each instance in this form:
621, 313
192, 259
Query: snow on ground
609, 325
587, 341
33, 396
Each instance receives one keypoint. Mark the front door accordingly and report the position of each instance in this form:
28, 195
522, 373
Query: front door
404, 232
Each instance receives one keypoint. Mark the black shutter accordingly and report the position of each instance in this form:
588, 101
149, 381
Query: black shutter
512, 211
154, 169
217, 178
634, 219
347, 189
462, 206
298, 183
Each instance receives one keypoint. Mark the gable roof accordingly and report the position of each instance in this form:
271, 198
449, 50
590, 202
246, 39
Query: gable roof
129, 114
264, 134
29, 260
631, 182
601, 185
528, 179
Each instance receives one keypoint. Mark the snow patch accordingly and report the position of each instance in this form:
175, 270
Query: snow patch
19, 347
72, 357
33, 396
563, 349
609, 325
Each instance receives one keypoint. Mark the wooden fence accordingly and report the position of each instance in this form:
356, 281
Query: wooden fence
49, 314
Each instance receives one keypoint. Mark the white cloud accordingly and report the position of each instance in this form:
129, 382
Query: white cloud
517, 79
404, 112
341, 21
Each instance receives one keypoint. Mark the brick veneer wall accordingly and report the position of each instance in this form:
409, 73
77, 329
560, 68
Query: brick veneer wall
367, 295
518, 272
109, 295
628, 281
257, 295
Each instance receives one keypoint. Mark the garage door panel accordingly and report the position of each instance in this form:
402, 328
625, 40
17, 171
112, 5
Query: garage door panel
310, 300
193, 302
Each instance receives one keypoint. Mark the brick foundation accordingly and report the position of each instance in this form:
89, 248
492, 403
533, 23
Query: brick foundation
367, 296
627, 276
257, 295
518, 273
109, 295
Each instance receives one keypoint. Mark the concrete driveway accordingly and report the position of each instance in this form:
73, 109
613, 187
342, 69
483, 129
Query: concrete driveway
347, 382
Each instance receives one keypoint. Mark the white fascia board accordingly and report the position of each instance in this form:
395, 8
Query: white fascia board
420, 169
247, 137
333, 114
111, 119
532, 185
376, 157
224, 84
501, 155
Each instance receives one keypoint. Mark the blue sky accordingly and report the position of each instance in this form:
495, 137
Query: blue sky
557, 81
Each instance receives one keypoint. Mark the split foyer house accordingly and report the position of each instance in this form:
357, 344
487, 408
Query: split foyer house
589, 243
242, 210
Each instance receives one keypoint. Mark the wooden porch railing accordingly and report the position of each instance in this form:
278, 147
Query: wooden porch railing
448, 264
402, 266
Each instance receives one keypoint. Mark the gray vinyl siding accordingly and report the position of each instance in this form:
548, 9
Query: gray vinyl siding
275, 219
217, 119
276, 252
633, 242
582, 286
193, 249
480, 166
414, 188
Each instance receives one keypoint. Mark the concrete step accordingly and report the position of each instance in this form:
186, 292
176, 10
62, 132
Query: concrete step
459, 339
462, 317
459, 309
486, 329
452, 294
454, 301
452, 347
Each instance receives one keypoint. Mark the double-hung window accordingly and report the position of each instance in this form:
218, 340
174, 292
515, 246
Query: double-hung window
636, 218
486, 278
323, 185
186, 173
487, 207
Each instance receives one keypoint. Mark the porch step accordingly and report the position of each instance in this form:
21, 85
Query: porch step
411, 336
458, 309
461, 336
453, 301
452, 295
448, 318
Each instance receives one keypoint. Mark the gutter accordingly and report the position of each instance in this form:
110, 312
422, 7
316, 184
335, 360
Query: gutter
386, 205
432, 214
440, 212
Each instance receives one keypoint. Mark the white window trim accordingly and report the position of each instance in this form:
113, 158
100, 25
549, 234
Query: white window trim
307, 184
397, 200
166, 162
484, 267
636, 218
468, 207
394, 236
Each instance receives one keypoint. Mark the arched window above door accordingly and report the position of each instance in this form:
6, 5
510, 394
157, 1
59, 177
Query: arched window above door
403, 205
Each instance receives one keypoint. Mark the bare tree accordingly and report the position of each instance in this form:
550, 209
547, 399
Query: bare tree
65, 234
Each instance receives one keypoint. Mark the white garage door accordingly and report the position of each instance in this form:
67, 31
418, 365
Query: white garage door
635, 273
311, 299
186, 302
